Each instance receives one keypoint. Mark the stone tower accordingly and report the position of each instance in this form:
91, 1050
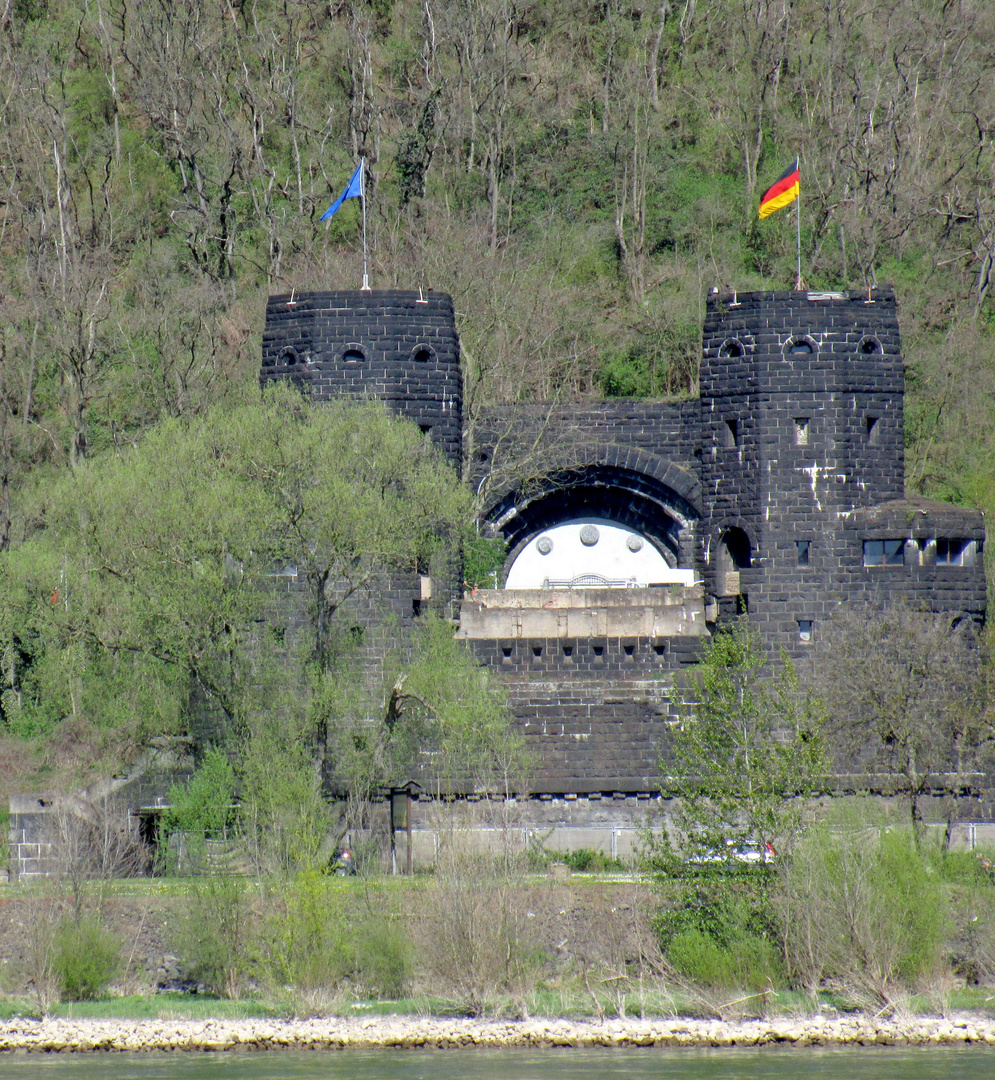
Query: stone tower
398, 346
801, 424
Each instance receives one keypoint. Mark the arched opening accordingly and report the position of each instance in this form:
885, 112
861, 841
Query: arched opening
599, 522
732, 349
798, 347
733, 555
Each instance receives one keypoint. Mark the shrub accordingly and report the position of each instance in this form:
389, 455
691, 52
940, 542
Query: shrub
383, 956
85, 958
699, 957
746, 960
306, 939
719, 928
588, 861
215, 940
862, 908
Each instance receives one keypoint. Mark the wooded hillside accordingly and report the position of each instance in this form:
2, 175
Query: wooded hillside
577, 174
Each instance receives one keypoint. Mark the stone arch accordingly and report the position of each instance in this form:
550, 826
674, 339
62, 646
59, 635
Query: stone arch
633, 488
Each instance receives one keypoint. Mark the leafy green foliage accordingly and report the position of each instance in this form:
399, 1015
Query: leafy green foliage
284, 818
153, 568
384, 954
84, 957
748, 740
448, 704
588, 861
216, 939
862, 905
483, 559
205, 803
308, 944
746, 961
748, 743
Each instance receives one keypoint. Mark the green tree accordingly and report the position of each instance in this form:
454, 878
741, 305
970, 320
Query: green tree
861, 905
747, 745
141, 597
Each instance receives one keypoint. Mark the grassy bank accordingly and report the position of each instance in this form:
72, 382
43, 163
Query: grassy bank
567, 945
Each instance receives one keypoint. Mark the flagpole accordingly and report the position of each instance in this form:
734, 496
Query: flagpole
362, 190
799, 284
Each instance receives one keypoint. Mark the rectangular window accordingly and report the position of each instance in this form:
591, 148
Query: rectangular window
804, 629
872, 428
954, 552
803, 550
801, 431
731, 434
884, 552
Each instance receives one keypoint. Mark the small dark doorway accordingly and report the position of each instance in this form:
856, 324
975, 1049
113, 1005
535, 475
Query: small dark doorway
734, 554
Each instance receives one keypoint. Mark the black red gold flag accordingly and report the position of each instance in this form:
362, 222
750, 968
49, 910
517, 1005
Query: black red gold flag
782, 192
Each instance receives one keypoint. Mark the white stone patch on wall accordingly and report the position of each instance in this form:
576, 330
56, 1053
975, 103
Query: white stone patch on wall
593, 548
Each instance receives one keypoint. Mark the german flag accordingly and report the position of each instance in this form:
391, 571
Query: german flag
782, 192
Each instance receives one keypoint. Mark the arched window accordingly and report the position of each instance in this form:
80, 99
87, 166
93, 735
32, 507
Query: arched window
732, 348
734, 554
798, 348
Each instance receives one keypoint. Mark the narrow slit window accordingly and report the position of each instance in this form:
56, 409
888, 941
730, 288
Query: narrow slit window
802, 547
801, 430
873, 427
731, 434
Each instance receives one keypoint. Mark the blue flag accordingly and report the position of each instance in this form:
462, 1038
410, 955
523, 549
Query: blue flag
353, 190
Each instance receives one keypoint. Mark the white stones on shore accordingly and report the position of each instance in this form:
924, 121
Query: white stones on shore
410, 1032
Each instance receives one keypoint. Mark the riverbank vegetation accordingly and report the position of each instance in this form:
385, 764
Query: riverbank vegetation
861, 919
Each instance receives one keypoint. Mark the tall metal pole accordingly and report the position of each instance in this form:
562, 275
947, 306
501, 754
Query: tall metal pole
362, 197
799, 284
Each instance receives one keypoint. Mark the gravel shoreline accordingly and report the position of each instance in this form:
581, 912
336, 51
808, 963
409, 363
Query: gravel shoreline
75, 1036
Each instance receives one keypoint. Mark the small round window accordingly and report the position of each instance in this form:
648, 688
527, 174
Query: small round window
353, 355
423, 353
799, 347
732, 348
289, 356
870, 346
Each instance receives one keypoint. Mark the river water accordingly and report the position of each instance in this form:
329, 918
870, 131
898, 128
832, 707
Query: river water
967, 1063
